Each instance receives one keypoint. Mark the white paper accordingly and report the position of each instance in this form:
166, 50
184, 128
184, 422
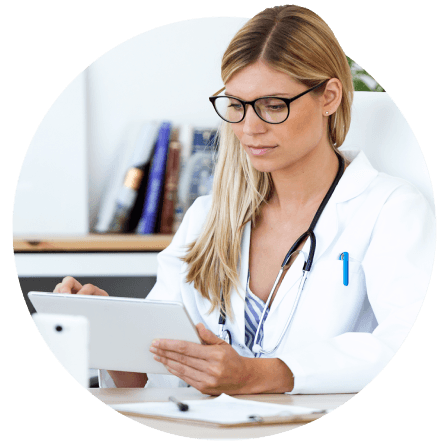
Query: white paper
222, 410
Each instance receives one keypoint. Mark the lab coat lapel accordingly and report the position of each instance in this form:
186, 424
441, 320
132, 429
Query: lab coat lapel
326, 229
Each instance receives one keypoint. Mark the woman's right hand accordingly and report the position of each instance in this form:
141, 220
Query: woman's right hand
70, 285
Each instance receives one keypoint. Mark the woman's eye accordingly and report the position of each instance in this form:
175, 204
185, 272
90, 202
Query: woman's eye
275, 107
272, 105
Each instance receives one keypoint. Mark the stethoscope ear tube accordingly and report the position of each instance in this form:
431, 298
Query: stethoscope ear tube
297, 243
309, 262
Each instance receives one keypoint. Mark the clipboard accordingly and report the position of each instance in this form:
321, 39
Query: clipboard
223, 411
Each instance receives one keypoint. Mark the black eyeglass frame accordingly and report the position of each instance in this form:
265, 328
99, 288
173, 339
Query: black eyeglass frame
244, 103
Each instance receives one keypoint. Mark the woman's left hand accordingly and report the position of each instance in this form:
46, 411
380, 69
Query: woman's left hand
212, 368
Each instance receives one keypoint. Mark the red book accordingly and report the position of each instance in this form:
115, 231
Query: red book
170, 189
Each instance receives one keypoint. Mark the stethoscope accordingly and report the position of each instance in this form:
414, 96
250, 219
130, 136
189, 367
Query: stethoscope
225, 334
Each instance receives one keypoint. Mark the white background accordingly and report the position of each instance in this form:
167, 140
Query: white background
163, 74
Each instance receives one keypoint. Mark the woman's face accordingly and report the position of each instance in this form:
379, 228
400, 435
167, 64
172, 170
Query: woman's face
274, 147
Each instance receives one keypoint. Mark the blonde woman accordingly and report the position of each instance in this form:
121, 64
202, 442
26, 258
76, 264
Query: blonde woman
348, 290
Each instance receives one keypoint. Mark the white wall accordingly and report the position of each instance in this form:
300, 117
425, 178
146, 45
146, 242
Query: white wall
166, 73
52, 191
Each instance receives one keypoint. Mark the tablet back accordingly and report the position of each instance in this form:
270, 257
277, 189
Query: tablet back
121, 330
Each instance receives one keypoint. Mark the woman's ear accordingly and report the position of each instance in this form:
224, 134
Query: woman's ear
332, 96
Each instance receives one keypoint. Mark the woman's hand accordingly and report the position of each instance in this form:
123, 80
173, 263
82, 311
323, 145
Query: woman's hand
70, 285
212, 368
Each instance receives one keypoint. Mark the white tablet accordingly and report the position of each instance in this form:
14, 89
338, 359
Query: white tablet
121, 330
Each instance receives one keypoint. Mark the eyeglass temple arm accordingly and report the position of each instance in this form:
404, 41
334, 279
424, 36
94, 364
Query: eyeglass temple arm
307, 91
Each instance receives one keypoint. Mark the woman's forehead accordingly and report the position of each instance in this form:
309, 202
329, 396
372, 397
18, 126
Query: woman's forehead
260, 79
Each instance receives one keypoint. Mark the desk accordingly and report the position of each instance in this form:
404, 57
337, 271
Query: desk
132, 395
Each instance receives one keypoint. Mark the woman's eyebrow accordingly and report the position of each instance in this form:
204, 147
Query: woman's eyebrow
274, 94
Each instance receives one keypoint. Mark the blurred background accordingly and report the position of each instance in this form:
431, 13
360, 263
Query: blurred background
166, 74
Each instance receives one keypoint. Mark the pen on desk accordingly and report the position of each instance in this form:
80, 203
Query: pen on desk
182, 406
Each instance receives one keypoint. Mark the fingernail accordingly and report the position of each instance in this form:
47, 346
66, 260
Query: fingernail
155, 343
152, 349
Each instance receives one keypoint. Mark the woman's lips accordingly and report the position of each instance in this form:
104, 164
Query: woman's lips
260, 150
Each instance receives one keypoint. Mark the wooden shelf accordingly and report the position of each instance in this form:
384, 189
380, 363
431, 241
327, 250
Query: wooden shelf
94, 243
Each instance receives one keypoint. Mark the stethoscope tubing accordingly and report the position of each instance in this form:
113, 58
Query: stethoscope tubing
289, 319
225, 333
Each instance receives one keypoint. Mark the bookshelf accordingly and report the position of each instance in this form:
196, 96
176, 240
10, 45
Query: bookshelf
93, 243
125, 265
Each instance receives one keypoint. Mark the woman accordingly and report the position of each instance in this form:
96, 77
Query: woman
280, 177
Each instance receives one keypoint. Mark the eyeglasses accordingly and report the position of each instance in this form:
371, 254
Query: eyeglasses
272, 110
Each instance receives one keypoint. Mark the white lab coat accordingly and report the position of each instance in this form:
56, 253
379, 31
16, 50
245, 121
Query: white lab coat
341, 336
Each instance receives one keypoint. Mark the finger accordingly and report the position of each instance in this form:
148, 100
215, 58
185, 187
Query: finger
207, 336
169, 357
181, 347
69, 285
200, 381
90, 289
192, 376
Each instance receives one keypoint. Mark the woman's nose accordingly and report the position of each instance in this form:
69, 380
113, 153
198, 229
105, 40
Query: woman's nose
252, 123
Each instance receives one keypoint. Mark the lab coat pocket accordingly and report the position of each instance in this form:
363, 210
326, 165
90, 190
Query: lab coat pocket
334, 272
336, 305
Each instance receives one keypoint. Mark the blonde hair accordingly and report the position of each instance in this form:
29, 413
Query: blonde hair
293, 40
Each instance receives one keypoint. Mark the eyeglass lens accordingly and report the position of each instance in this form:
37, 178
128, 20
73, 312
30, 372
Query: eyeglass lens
272, 110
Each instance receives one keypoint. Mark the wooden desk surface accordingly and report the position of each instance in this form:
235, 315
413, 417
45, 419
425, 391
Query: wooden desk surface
115, 396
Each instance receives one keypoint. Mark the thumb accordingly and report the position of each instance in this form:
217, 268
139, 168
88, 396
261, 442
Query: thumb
207, 336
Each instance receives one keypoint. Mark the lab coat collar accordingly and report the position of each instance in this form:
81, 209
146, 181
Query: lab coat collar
356, 178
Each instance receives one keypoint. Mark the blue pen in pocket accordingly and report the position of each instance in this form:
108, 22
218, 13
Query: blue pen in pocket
344, 258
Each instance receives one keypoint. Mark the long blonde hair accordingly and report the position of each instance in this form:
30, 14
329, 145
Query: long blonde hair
293, 40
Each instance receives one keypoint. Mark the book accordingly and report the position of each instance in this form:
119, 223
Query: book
172, 172
137, 209
197, 176
133, 178
155, 182
204, 140
186, 135
136, 146
115, 177
224, 410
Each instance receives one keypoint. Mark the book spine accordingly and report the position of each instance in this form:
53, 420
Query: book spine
126, 200
204, 140
125, 183
192, 181
186, 136
170, 190
155, 182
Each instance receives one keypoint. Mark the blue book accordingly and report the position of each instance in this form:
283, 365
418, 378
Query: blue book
204, 140
147, 221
